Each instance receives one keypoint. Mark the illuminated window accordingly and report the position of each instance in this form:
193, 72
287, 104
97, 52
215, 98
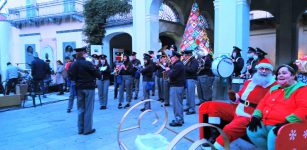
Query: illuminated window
168, 13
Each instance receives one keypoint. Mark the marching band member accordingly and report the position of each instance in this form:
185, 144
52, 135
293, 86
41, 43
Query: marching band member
84, 74
260, 54
117, 79
160, 70
148, 79
237, 60
125, 71
205, 79
190, 67
135, 75
165, 88
177, 82
246, 100
250, 63
104, 83
154, 60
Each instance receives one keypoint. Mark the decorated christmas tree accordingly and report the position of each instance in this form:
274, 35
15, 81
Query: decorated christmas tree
195, 35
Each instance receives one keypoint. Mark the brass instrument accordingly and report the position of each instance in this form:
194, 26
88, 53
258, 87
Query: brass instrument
201, 65
187, 60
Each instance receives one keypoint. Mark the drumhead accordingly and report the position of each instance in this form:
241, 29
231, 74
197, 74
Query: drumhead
223, 67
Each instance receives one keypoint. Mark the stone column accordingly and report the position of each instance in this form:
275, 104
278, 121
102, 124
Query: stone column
145, 26
231, 29
232, 26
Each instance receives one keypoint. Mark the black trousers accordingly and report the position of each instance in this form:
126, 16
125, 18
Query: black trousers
11, 84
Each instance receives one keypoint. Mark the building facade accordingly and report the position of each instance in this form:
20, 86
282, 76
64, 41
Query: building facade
54, 27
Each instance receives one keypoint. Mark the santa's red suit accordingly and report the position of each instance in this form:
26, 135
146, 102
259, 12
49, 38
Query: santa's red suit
238, 113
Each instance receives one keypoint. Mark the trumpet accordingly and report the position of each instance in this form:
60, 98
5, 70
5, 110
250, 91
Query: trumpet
187, 60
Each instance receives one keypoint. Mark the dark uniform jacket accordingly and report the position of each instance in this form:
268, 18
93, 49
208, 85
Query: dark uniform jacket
206, 66
176, 74
128, 71
135, 64
84, 74
148, 71
238, 65
39, 69
191, 68
106, 74
253, 63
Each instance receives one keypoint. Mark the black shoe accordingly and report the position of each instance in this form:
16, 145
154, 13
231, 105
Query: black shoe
80, 132
92, 131
103, 107
166, 104
135, 98
143, 109
186, 110
152, 94
68, 110
127, 105
120, 106
190, 113
61, 93
175, 124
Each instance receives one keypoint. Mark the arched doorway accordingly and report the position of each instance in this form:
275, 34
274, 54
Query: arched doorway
47, 54
263, 32
121, 41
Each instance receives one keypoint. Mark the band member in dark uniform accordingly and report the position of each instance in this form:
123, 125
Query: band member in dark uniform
191, 67
177, 82
135, 75
104, 83
117, 81
250, 63
125, 71
237, 60
165, 84
205, 79
154, 60
159, 74
84, 74
260, 53
148, 79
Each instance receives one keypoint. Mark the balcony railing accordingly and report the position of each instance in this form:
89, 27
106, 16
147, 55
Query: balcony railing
46, 9
119, 19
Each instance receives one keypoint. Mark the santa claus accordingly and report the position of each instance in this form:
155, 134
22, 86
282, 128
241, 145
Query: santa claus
238, 112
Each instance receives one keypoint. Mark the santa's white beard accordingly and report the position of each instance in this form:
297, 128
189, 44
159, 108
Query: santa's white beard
262, 80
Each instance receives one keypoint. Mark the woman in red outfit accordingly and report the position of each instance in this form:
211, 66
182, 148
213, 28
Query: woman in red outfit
284, 103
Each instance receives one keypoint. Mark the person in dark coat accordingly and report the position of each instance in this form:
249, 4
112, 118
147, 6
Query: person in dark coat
177, 82
135, 75
205, 79
237, 60
39, 70
104, 83
190, 67
250, 63
84, 74
125, 71
260, 54
148, 79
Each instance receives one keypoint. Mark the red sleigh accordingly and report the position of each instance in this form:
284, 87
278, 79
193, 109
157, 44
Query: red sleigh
292, 137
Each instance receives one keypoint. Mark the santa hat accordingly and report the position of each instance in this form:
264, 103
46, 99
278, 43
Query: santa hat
265, 63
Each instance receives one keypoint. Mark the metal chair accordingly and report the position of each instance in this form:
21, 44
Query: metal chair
34, 91
179, 136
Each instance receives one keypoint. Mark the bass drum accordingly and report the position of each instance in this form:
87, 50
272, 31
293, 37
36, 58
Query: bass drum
222, 66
